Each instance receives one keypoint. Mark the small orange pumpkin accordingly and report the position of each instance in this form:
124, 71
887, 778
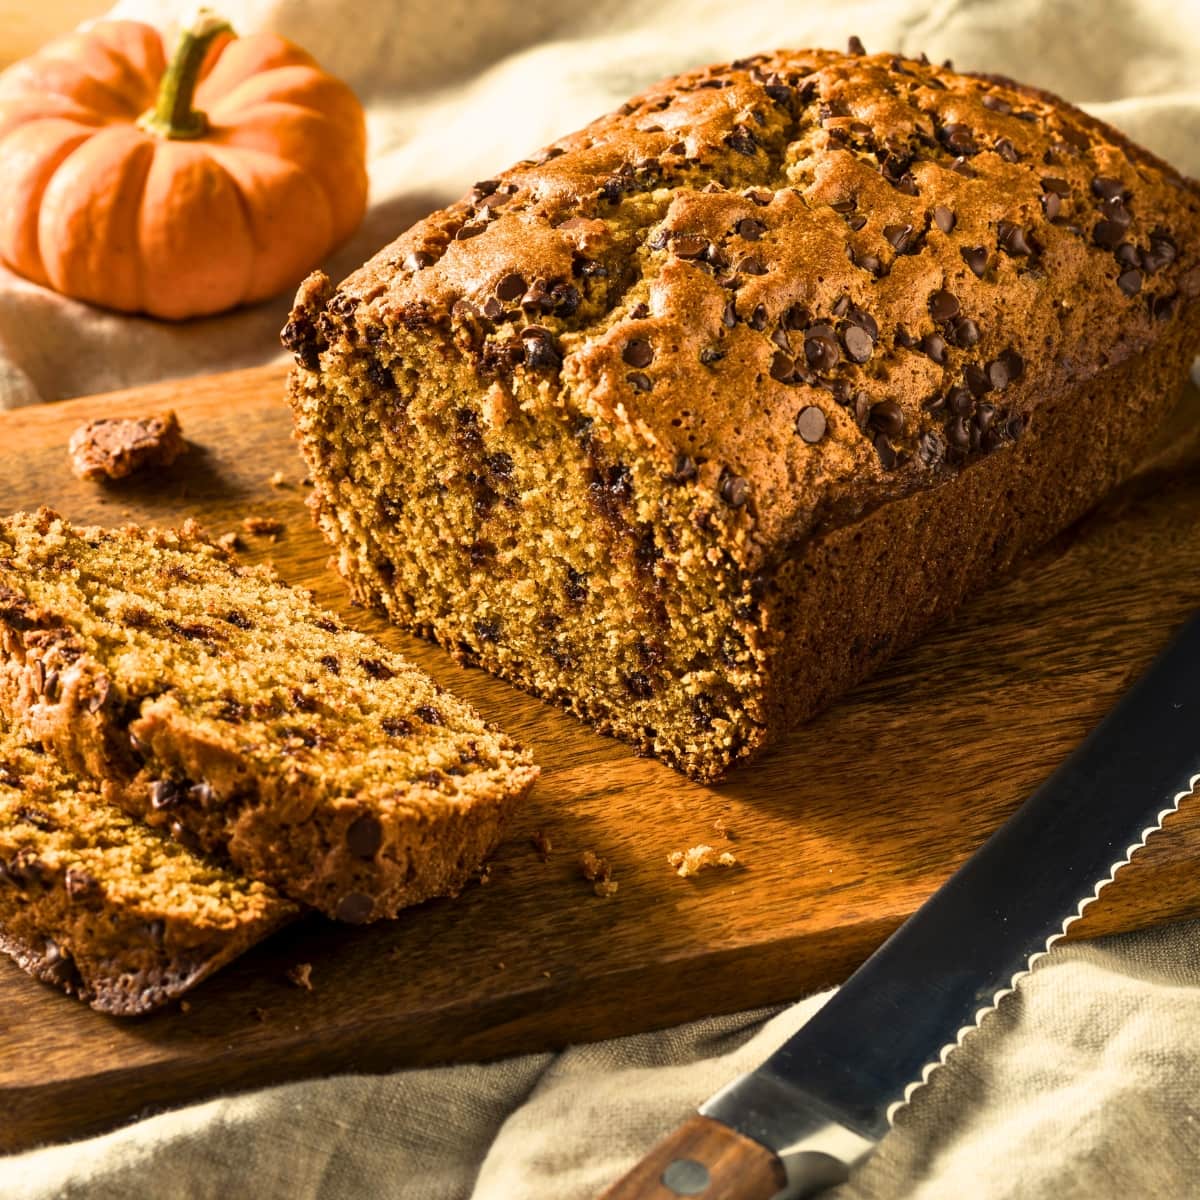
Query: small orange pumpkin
175, 189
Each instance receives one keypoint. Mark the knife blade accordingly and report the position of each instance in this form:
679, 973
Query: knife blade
820, 1104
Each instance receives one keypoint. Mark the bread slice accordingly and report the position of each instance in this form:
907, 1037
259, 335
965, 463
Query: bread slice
215, 702
104, 907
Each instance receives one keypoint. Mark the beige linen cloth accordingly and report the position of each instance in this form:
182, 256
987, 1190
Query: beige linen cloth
1086, 1083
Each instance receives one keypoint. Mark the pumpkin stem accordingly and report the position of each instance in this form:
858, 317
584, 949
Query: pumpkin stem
173, 115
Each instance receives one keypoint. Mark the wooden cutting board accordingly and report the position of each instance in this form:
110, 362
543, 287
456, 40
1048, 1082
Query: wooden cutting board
840, 833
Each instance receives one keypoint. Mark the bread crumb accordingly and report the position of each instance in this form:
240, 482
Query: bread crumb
542, 844
605, 888
278, 480
230, 542
185, 1006
117, 447
301, 975
694, 860
485, 875
260, 1015
501, 966
593, 867
546, 974
262, 526
723, 830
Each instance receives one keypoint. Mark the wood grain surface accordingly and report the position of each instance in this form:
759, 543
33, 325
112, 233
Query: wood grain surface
839, 833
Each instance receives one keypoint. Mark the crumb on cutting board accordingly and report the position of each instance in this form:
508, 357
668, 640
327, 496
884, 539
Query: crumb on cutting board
262, 526
117, 447
278, 480
301, 975
598, 872
230, 542
696, 858
542, 844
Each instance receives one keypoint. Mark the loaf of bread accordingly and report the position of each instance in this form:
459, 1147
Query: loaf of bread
104, 907
214, 702
692, 420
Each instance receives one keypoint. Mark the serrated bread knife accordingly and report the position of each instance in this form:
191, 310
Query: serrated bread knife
820, 1104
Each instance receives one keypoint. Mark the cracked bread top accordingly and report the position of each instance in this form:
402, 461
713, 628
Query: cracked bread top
805, 283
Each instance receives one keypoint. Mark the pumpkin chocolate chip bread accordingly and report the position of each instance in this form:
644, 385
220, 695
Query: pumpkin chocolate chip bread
218, 704
104, 907
693, 419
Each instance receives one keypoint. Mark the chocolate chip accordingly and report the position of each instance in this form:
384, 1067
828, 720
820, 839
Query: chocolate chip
354, 908
904, 338
887, 417
1060, 187
57, 967
685, 468
887, 455
689, 245
80, 884
963, 332
751, 229
943, 305
858, 343
1007, 150
637, 684
782, 367
944, 218
396, 726
429, 714
857, 222
1115, 211
960, 166
166, 792
864, 320
540, 350
1162, 252
418, 260
1162, 308
1106, 188
997, 373
742, 140
364, 836
995, 103
511, 287
855, 46
811, 424
959, 433
751, 265
821, 352
934, 345
976, 379
868, 262
758, 318
710, 355
985, 414
734, 490
729, 317
1012, 240
959, 401
30, 814
638, 353
976, 258
1108, 234
639, 381
1130, 282
959, 139
1051, 205
375, 668
901, 238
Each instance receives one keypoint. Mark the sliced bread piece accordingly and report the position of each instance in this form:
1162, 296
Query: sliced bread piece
98, 904
214, 701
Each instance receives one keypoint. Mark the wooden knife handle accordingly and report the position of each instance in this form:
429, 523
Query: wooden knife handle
706, 1160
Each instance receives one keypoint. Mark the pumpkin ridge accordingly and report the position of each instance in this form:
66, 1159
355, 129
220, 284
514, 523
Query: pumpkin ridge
131, 85
48, 75
248, 220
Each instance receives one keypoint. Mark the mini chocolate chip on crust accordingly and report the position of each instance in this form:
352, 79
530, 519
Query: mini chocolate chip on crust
963, 332
639, 381
944, 218
397, 726
811, 424
1105, 188
959, 401
822, 352
752, 265
734, 490
943, 305
376, 669
511, 287
429, 714
1012, 240
887, 417
1051, 205
638, 352
976, 258
901, 237
540, 350
995, 103
355, 908
80, 884
751, 228
783, 367
166, 792
858, 342
1130, 282
887, 454
1108, 234
855, 46
934, 345
364, 836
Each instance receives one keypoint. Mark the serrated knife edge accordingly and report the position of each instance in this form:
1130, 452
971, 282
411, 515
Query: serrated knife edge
941, 1058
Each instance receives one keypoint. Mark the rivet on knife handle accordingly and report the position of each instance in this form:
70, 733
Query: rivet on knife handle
705, 1160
